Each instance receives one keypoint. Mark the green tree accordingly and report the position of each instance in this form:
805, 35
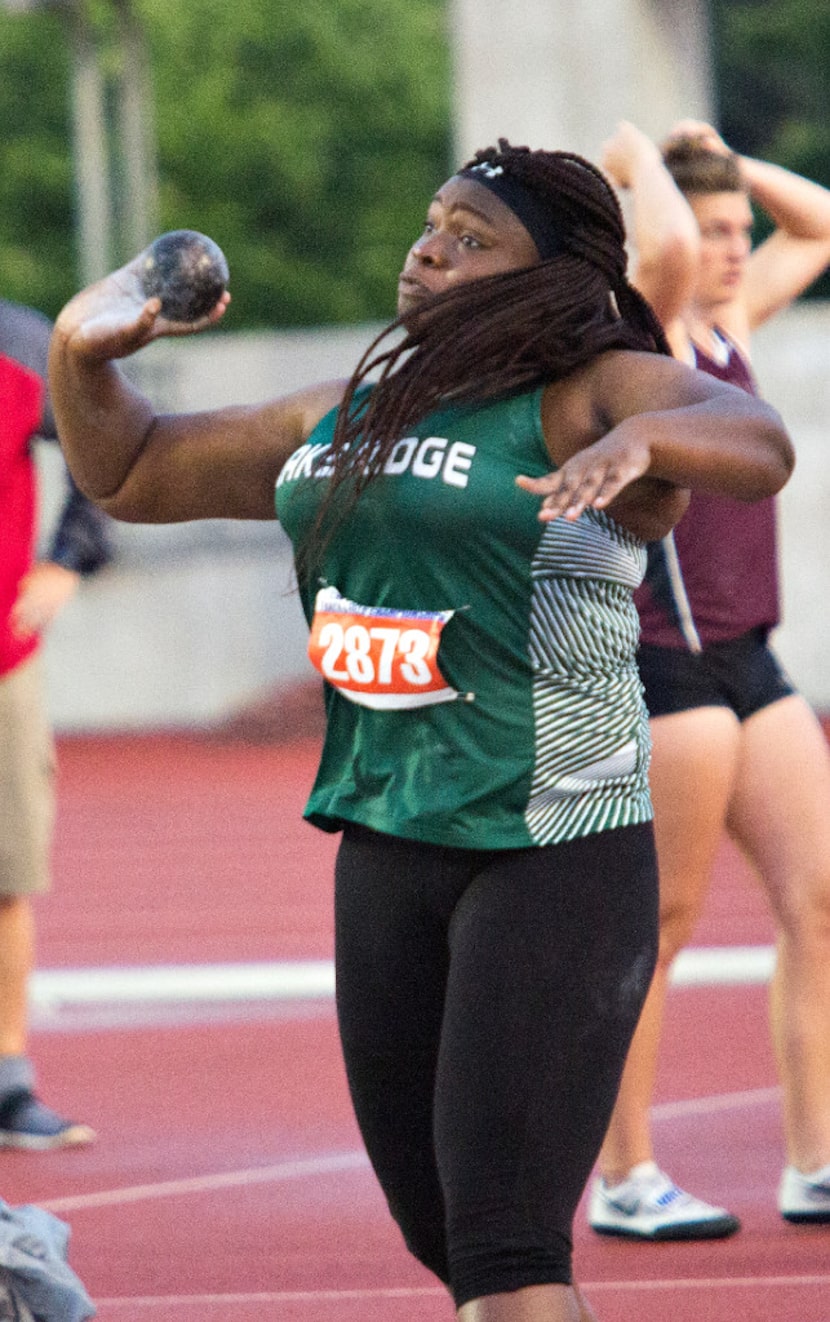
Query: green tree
304, 139
37, 257
773, 79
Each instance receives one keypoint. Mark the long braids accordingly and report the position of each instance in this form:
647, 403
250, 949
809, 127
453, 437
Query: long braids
496, 335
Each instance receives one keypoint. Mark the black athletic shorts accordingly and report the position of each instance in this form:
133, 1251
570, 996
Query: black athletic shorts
742, 674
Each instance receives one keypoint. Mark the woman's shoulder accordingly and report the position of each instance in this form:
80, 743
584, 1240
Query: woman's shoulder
615, 385
304, 409
612, 372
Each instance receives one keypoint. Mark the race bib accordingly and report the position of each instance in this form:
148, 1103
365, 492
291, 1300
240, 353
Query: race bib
386, 659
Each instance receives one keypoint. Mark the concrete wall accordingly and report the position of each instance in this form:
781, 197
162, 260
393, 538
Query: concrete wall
194, 622
560, 73
792, 359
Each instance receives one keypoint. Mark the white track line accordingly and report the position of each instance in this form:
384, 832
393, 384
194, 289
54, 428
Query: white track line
284, 1170
717, 1102
281, 1296
711, 966
710, 1283
56, 990
302, 1167
428, 1292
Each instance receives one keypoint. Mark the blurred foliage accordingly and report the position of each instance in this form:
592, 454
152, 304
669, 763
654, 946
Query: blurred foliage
306, 139
772, 71
37, 253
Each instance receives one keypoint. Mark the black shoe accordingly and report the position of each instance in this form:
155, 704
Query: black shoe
26, 1123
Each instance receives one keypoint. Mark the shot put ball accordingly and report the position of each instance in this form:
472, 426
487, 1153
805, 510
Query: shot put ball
187, 271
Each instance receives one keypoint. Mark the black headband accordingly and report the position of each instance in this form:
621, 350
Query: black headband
525, 205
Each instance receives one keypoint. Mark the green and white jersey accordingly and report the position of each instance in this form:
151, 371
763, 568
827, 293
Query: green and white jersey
528, 727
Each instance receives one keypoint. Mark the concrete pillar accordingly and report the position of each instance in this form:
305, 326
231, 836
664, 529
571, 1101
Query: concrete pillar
561, 73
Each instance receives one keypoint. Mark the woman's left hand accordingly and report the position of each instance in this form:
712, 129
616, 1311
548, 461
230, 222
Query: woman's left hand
592, 477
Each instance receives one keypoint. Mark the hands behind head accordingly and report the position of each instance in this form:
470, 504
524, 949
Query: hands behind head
627, 147
113, 318
698, 132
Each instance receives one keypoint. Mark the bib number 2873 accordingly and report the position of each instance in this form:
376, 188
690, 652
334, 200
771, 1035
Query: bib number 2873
386, 659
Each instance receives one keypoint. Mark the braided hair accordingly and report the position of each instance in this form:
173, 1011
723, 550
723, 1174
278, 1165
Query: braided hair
499, 334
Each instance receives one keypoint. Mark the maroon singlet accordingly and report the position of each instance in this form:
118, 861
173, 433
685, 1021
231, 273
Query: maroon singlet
719, 580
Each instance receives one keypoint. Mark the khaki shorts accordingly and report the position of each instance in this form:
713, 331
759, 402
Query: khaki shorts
27, 782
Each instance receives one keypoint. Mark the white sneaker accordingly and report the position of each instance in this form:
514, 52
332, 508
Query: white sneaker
805, 1198
648, 1205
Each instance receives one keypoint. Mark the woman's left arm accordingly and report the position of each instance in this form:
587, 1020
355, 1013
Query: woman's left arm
664, 429
798, 250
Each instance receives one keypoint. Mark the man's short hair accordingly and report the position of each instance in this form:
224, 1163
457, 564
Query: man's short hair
695, 168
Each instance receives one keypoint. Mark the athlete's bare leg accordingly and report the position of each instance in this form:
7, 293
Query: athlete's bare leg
586, 1312
694, 761
780, 815
535, 1303
16, 959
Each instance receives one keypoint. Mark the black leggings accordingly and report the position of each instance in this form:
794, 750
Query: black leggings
486, 1001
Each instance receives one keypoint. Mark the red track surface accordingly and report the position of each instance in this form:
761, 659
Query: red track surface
228, 1178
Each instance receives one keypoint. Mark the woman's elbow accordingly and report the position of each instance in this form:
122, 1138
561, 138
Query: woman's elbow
772, 468
784, 468
782, 457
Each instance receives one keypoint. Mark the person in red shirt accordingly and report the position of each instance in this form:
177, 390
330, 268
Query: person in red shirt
734, 746
32, 592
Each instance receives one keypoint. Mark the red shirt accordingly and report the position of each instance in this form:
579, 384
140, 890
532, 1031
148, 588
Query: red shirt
21, 402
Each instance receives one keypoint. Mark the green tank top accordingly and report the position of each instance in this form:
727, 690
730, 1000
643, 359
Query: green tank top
529, 726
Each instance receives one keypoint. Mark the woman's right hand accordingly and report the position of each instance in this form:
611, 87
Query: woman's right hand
623, 153
113, 318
